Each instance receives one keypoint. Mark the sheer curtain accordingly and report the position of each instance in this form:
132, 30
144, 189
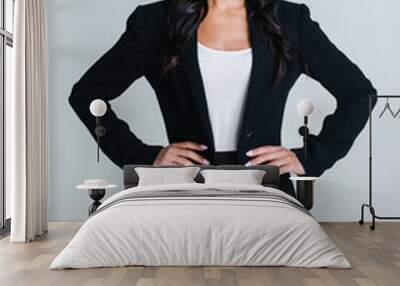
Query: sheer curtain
27, 123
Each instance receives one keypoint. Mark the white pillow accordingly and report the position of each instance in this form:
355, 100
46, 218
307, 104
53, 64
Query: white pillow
247, 177
166, 176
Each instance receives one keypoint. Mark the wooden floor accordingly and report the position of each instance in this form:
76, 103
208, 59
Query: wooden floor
375, 257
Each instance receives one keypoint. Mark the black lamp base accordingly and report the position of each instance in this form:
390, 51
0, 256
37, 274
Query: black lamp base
305, 193
96, 195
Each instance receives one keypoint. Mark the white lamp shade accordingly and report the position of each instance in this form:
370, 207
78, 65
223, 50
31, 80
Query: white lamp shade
305, 107
98, 107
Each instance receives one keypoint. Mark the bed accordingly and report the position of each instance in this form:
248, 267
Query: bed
198, 224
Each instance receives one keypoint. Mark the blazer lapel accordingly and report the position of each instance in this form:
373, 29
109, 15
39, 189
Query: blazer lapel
261, 77
190, 63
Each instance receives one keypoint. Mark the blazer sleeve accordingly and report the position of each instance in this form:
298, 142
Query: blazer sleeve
324, 62
107, 79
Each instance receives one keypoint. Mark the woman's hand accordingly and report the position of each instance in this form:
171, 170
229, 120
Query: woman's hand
279, 156
181, 154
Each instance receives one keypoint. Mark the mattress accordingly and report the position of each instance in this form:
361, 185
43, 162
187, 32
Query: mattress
201, 225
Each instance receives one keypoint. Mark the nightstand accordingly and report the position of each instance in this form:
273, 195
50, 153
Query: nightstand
305, 190
97, 190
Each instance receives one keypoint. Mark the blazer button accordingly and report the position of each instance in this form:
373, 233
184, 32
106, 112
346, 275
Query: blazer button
249, 133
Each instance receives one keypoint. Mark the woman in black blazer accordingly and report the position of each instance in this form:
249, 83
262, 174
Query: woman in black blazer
160, 43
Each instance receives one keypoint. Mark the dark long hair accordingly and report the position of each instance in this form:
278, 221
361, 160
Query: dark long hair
185, 17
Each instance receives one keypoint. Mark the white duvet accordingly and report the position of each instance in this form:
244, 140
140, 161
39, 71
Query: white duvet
195, 231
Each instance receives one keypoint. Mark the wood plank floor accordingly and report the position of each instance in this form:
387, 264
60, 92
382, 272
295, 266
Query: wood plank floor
375, 257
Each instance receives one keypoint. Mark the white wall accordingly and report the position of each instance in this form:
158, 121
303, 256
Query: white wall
81, 31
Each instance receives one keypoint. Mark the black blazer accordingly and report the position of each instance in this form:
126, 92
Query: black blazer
139, 53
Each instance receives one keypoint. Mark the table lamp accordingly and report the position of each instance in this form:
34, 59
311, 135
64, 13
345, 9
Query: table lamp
98, 108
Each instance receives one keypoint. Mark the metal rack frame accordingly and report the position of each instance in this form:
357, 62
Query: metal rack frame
370, 203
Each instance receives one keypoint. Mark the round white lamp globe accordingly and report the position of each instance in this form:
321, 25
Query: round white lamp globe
305, 107
98, 107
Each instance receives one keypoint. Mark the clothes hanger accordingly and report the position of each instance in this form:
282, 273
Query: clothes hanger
388, 108
397, 114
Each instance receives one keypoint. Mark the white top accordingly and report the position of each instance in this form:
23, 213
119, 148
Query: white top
226, 76
95, 184
300, 178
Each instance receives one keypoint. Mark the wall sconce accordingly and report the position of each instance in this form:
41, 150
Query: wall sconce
304, 184
98, 108
305, 108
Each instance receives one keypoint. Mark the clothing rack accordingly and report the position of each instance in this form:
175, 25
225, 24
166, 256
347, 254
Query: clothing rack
370, 204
